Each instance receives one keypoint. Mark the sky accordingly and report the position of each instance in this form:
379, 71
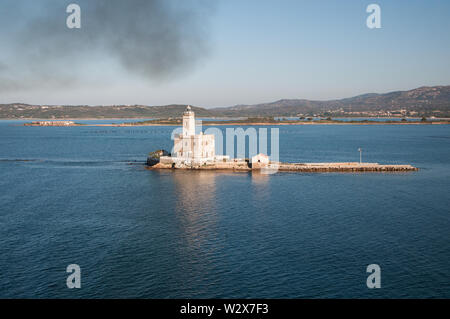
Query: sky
213, 53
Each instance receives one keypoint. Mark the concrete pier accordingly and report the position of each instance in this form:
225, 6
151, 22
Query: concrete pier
344, 167
296, 167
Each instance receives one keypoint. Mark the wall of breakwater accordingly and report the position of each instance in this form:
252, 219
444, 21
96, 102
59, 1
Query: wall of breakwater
298, 167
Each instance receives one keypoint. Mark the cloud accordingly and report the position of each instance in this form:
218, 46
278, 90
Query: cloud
156, 40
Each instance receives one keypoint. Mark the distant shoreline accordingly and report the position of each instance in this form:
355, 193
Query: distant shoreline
208, 118
271, 124
247, 124
237, 122
276, 124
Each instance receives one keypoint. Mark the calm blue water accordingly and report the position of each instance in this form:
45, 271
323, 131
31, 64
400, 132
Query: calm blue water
149, 234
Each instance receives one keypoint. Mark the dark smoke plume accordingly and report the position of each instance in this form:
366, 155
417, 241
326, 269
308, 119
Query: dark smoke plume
156, 39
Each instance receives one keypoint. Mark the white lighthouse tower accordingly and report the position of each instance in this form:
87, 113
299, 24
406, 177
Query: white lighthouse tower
190, 148
188, 122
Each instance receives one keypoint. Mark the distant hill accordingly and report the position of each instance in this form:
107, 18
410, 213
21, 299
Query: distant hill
423, 101
19, 110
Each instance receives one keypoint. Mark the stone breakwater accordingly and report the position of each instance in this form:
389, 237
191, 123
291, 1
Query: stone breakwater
345, 167
294, 167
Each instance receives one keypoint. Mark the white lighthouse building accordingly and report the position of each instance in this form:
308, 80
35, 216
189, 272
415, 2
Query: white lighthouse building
192, 148
188, 122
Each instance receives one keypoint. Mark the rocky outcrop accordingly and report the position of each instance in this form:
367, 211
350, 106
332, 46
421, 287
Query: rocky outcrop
153, 157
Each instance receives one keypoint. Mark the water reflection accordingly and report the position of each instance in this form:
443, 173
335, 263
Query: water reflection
260, 186
259, 178
195, 194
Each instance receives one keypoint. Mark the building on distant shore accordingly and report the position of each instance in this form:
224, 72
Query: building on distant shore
50, 123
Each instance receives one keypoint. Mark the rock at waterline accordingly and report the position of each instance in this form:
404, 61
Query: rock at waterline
153, 157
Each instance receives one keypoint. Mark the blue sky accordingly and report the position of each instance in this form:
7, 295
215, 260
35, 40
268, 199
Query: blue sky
264, 50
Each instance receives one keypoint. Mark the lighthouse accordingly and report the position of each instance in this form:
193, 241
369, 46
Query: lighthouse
188, 122
190, 147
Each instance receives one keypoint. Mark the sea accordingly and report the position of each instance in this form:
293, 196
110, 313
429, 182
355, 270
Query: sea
82, 195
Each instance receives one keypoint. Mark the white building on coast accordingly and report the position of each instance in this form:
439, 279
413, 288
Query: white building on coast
191, 148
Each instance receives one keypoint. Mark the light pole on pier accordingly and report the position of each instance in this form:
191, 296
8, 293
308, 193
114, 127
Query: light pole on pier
360, 155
